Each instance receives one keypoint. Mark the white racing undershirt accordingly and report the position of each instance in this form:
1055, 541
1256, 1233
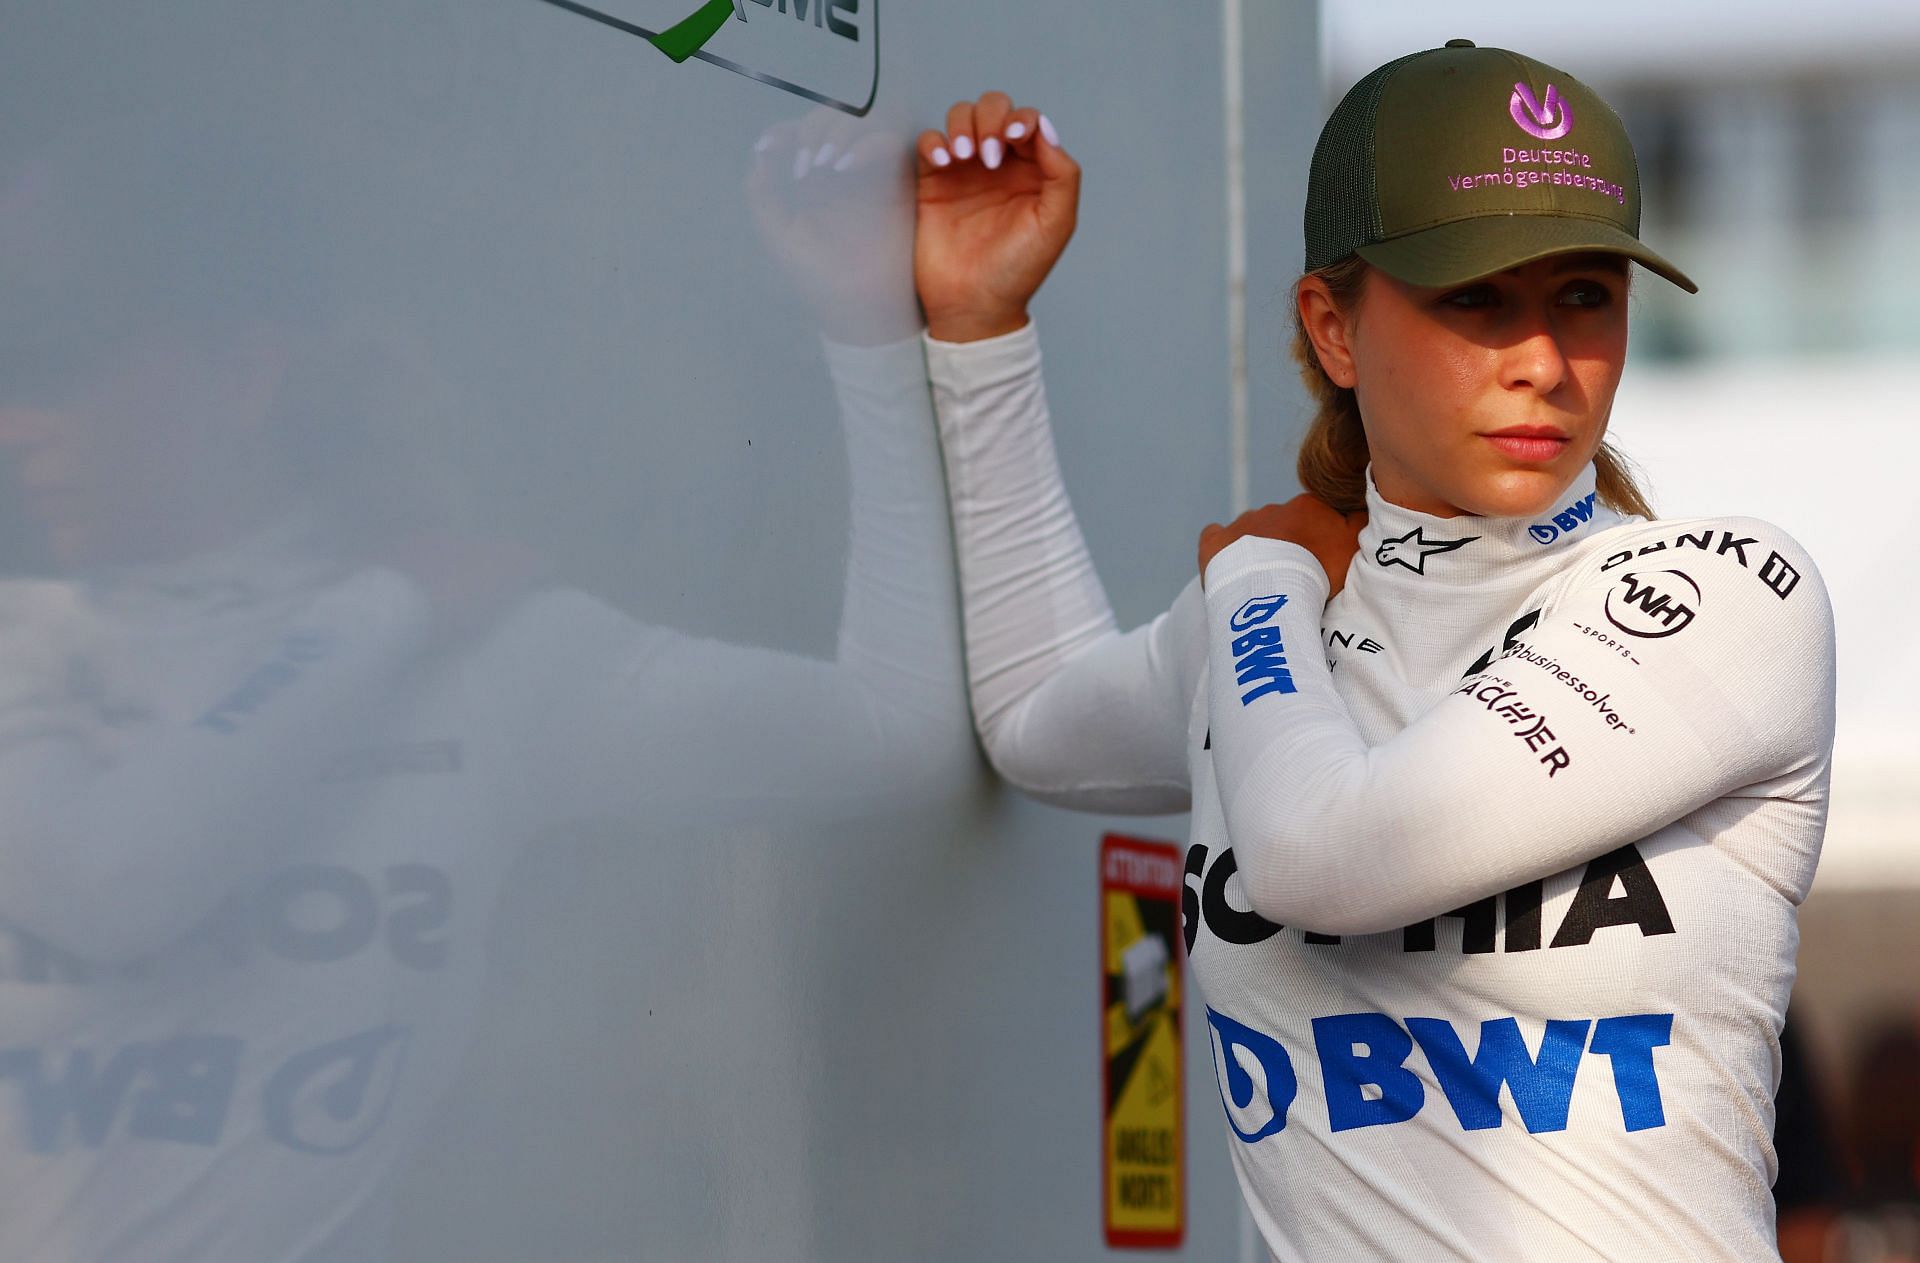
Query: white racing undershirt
1495, 858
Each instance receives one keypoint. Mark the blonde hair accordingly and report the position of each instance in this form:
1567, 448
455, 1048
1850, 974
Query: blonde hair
1333, 452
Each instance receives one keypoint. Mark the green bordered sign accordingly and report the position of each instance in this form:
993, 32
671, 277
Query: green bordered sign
824, 50
1143, 1084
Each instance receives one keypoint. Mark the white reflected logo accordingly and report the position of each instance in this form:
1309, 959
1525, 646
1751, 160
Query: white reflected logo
331, 1099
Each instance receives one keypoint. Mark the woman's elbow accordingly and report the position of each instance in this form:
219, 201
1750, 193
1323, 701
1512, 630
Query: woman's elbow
1311, 888
1045, 780
1013, 761
1336, 916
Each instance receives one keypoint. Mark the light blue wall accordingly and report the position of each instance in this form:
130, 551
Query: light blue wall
698, 929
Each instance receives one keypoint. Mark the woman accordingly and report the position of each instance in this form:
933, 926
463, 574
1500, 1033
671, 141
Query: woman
1491, 895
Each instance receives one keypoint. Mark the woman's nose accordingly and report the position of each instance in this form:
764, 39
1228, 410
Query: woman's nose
1534, 360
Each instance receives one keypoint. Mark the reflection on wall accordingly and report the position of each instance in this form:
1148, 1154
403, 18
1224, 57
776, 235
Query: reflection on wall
320, 360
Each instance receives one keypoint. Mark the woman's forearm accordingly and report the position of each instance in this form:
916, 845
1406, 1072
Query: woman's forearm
1042, 643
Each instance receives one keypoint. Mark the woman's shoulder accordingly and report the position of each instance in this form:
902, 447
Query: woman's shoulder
1683, 567
1753, 544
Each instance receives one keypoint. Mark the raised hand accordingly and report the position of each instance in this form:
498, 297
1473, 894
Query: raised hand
997, 202
832, 198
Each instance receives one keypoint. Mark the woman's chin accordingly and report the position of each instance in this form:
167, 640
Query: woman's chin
1505, 491
1518, 493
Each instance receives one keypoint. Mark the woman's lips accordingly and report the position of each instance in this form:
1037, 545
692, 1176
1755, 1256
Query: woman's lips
1534, 445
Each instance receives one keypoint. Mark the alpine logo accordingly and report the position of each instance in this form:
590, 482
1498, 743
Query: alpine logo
1547, 118
1259, 658
1565, 522
1337, 639
1516, 629
1655, 605
1412, 549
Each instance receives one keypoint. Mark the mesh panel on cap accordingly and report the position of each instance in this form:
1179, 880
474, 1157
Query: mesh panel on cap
1343, 212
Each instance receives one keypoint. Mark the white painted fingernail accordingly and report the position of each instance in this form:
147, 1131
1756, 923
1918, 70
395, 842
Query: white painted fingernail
990, 151
801, 161
845, 161
941, 158
1016, 130
826, 152
1046, 129
763, 144
963, 147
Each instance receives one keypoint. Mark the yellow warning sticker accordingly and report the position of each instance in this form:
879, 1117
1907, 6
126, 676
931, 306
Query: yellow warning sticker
1143, 1086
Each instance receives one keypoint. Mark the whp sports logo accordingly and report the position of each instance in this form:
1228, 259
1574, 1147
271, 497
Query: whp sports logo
1548, 119
1653, 606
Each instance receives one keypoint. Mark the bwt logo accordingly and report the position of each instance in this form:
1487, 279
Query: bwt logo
1653, 606
1258, 654
331, 1099
298, 654
1259, 610
1549, 119
1257, 1083
1367, 1083
327, 1100
1565, 522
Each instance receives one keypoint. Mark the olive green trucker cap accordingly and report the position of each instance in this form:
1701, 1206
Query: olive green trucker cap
1455, 163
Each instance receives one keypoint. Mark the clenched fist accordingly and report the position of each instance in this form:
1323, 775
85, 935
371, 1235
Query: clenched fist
997, 199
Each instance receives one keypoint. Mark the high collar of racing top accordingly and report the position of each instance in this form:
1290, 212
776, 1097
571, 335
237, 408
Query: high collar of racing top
289, 554
1470, 551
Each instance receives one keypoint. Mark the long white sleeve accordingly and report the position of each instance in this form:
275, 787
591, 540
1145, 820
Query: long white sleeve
616, 716
1068, 707
1565, 748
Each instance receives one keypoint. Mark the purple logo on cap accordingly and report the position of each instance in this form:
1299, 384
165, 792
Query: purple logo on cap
1549, 119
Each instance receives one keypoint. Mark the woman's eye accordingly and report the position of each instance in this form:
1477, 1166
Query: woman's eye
1472, 296
1586, 294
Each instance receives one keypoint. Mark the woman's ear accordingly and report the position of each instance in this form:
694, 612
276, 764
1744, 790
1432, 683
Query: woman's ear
1328, 328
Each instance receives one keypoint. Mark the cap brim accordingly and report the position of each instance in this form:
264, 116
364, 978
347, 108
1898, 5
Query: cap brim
1468, 249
